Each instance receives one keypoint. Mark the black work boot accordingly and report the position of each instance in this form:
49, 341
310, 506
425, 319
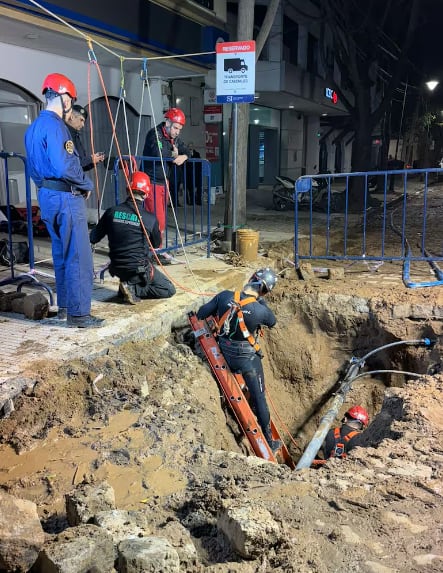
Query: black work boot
86, 321
128, 292
62, 313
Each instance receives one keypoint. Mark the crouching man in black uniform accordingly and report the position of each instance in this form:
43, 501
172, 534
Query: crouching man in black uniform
129, 249
238, 328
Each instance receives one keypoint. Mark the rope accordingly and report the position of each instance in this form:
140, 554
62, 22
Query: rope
134, 200
93, 60
144, 78
283, 425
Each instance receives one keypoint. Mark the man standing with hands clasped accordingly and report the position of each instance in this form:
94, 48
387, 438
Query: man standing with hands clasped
163, 140
55, 168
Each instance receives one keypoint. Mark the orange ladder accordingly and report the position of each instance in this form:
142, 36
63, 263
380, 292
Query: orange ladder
231, 385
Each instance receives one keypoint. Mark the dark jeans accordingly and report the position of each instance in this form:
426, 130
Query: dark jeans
241, 357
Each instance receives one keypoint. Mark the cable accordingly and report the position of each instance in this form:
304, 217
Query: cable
371, 372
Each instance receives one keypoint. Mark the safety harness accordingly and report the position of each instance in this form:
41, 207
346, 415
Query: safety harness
236, 309
339, 451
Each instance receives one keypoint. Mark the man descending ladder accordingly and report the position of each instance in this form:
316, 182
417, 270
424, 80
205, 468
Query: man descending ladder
240, 314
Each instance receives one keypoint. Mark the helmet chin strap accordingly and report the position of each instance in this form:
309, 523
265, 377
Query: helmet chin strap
65, 111
167, 132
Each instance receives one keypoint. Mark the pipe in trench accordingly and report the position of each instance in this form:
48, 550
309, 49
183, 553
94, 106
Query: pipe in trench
326, 422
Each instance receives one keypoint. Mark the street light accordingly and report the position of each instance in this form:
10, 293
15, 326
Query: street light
431, 85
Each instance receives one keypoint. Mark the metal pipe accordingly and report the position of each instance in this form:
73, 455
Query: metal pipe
234, 168
327, 420
346, 385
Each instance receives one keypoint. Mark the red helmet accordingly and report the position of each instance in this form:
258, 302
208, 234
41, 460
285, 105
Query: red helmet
59, 84
175, 115
140, 182
358, 413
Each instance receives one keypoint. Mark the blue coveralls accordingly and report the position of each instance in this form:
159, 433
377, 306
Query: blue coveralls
52, 155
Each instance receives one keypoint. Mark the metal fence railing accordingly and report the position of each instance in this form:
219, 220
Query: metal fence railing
371, 216
16, 227
189, 207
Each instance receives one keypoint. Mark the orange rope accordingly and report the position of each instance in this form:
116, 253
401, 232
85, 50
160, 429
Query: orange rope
91, 135
128, 186
283, 425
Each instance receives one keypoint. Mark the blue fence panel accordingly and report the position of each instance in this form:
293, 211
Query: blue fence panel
367, 216
188, 216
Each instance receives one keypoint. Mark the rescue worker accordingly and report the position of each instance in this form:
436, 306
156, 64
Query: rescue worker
237, 338
55, 167
76, 122
129, 249
163, 140
339, 441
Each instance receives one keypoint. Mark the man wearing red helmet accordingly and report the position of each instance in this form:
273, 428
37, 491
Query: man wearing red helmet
164, 141
62, 188
129, 250
339, 441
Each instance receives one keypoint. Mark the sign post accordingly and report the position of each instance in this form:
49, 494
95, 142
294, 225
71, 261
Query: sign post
235, 74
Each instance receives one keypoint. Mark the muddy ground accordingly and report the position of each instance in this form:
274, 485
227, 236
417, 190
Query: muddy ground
148, 418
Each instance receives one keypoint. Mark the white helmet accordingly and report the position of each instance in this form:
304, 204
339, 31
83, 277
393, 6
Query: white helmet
264, 280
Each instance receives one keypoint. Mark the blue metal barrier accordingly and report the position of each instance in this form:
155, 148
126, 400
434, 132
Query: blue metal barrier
23, 279
363, 216
189, 226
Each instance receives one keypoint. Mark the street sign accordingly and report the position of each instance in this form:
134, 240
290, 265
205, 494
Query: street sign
235, 71
213, 113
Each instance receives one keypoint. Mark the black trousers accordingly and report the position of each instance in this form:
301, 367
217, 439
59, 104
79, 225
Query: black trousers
241, 357
151, 284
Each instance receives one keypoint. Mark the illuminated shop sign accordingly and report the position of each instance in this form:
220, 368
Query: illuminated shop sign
331, 94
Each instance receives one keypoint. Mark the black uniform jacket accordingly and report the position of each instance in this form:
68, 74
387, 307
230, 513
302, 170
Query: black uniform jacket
151, 149
255, 314
129, 249
85, 159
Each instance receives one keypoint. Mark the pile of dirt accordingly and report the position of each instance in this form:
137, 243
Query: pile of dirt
149, 419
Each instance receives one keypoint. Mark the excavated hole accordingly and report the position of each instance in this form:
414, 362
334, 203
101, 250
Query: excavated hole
309, 350
307, 353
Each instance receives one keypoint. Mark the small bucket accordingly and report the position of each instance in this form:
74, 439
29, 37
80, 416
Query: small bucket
247, 243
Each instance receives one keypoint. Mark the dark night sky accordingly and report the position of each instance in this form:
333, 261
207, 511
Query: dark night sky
427, 51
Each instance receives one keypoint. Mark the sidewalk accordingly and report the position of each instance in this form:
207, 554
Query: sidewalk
24, 343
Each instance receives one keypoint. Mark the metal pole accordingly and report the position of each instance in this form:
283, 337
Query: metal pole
326, 422
234, 169
401, 119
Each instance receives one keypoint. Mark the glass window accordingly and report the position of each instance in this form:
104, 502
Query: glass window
265, 116
290, 40
18, 108
312, 64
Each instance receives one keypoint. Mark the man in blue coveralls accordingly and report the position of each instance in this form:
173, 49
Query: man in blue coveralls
63, 188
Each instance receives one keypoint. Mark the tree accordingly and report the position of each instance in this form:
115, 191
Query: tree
365, 37
245, 27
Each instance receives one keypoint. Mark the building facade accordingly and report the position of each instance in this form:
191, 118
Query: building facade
171, 46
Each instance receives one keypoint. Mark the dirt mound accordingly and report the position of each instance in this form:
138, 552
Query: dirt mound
149, 419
